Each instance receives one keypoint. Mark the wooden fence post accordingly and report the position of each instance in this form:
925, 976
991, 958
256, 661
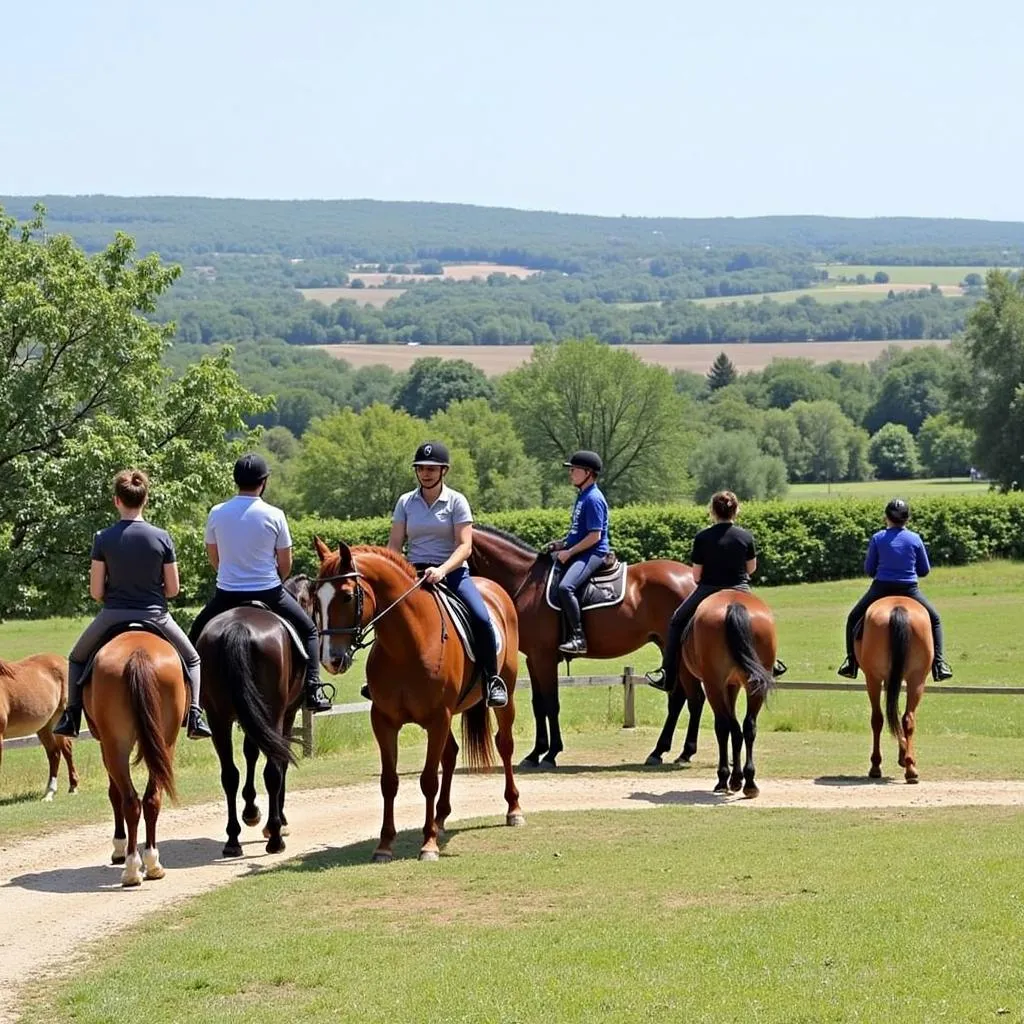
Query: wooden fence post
628, 699
307, 732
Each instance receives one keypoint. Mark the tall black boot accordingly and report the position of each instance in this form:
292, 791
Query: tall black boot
577, 642
70, 723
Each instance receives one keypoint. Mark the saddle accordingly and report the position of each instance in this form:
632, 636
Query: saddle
128, 627
463, 621
605, 588
298, 647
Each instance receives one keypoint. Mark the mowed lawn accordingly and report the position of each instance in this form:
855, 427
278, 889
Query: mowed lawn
802, 734
885, 489
922, 276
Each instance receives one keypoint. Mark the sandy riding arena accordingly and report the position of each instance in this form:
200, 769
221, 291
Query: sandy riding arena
54, 901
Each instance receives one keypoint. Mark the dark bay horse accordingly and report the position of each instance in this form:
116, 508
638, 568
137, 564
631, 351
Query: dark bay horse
896, 644
732, 645
33, 693
654, 590
252, 675
418, 672
137, 695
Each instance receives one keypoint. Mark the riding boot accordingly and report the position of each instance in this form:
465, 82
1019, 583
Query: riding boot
495, 691
364, 691
315, 699
197, 728
70, 723
941, 669
848, 669
577, 642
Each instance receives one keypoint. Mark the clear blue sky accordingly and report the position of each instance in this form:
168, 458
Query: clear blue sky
656, 107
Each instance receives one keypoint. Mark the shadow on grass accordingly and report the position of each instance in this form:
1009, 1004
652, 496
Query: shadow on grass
20, 798
850, 780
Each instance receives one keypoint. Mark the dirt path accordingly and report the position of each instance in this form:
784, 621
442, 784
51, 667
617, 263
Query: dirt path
56, 894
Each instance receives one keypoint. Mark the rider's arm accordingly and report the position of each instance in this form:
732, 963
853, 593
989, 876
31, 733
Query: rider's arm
396, 538
97, 579
871, 562
585, 543
284, 562
463, 548
213, 555
751, 566
172, 584
923, 566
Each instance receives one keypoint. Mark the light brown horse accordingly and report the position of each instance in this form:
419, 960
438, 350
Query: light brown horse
137, 695
896, 644
33, 693
654, 590
730, 645
417, 672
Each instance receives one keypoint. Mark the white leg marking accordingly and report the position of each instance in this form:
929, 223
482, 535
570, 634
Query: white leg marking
151, 860
120, 847
132, 874
51, 789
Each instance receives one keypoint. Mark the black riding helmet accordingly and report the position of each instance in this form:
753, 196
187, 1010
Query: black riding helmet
250, 471
585, 460
897, 511
432, 453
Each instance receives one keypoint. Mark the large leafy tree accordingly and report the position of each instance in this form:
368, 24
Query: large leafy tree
83, 393
988, 388
946, 447
583, 394
912, 389
833, 448
434, 383
732, 461
893, 453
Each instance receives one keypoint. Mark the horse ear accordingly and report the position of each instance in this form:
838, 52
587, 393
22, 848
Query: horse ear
321, 549
344, 553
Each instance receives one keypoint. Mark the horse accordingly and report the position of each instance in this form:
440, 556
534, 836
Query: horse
252, 674
33, 693
417, 672
732, 644
137, 695
655, 589
896, 644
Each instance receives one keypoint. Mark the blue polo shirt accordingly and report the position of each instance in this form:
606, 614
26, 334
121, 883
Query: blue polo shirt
590, 513
897, 555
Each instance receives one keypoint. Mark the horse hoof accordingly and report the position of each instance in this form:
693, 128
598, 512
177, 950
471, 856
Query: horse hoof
155, 874
750, 791
73, 791
284, 831
516, 819
682, 759
653, 759
721, 788
735, 785
547, 764
252, 819
131, 883
275, 845
115, 859
912, 780
429, 855
381, 857
48, 797
875, 773
232, 850
529, 762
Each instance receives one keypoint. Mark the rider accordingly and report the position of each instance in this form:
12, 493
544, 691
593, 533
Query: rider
438, 524
724, 557
586, 545
896, 558
248, 543
134, 571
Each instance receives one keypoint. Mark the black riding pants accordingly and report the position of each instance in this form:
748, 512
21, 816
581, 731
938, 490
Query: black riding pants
278, 600
883, 588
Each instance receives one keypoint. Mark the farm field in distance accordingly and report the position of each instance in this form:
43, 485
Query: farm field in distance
919, 276
885, 489
498, 359
364, 296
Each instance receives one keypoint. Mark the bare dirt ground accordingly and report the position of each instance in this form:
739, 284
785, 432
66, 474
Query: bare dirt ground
59, 893
498, 359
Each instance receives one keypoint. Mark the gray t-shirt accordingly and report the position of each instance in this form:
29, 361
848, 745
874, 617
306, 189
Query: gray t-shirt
135, 553
248, 533
430, 530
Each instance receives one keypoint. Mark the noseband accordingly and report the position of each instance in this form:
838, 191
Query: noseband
358, 632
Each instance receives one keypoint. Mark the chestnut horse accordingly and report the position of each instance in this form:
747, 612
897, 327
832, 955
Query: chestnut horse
730, 645
252, 675
33, 693
654, 590
137, 695
896, 644
418, 672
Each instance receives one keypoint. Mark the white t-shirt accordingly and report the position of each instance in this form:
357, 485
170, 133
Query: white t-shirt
248, 533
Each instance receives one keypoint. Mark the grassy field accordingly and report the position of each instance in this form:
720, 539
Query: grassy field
802, 734
885, 489
828, 293
364, 296
921, 277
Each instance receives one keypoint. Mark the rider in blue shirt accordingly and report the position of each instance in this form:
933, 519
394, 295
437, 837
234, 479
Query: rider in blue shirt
584, 548
896, 559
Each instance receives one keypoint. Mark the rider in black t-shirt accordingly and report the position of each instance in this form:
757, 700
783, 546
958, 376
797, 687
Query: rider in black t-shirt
724, 557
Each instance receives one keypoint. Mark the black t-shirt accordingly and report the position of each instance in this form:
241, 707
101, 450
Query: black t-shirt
723, 550
135, 553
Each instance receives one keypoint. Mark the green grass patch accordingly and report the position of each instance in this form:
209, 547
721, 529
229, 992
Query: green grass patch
921, 275
885, 489
682, 913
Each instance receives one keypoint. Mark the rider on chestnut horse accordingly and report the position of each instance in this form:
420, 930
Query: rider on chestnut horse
585, 546
134, 571
896, 558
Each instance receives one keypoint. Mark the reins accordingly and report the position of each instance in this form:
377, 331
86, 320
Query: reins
358, 632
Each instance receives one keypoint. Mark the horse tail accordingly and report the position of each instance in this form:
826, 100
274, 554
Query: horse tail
476, 737
236, 655
140, 676
739, 638
899, 643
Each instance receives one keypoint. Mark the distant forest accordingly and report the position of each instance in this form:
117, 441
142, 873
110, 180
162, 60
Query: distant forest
625, 279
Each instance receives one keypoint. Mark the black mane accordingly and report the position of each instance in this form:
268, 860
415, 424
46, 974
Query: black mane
515, 541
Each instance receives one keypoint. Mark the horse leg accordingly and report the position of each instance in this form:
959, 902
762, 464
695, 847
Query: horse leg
543, 676
49, 743
151, 801
877, 721
695, 700
438, 732
915, 691
553, 707
387, 741
120, 839
289, 721
754, 702
272, 778
505, 742
722, 732
229, 783
250, 812
676, 703
67, 750
444, 796
116, 762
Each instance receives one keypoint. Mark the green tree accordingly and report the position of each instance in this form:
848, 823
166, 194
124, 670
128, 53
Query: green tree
583, 394
780, 436
913, 388
84, 393
893, 453
833, 448
434, 383
946, 447
881, 277
785, 381
722, 372
988, 388
732, 461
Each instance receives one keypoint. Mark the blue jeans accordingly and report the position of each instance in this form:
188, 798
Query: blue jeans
462, 583
575, 575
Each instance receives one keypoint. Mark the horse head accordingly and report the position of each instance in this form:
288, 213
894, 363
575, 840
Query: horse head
342, 606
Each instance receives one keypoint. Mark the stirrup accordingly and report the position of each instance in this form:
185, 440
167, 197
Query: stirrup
574, 645
940, 670
657, 679
780, 668
70, 723
197, 728
495, 692
316, 699
848, 669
